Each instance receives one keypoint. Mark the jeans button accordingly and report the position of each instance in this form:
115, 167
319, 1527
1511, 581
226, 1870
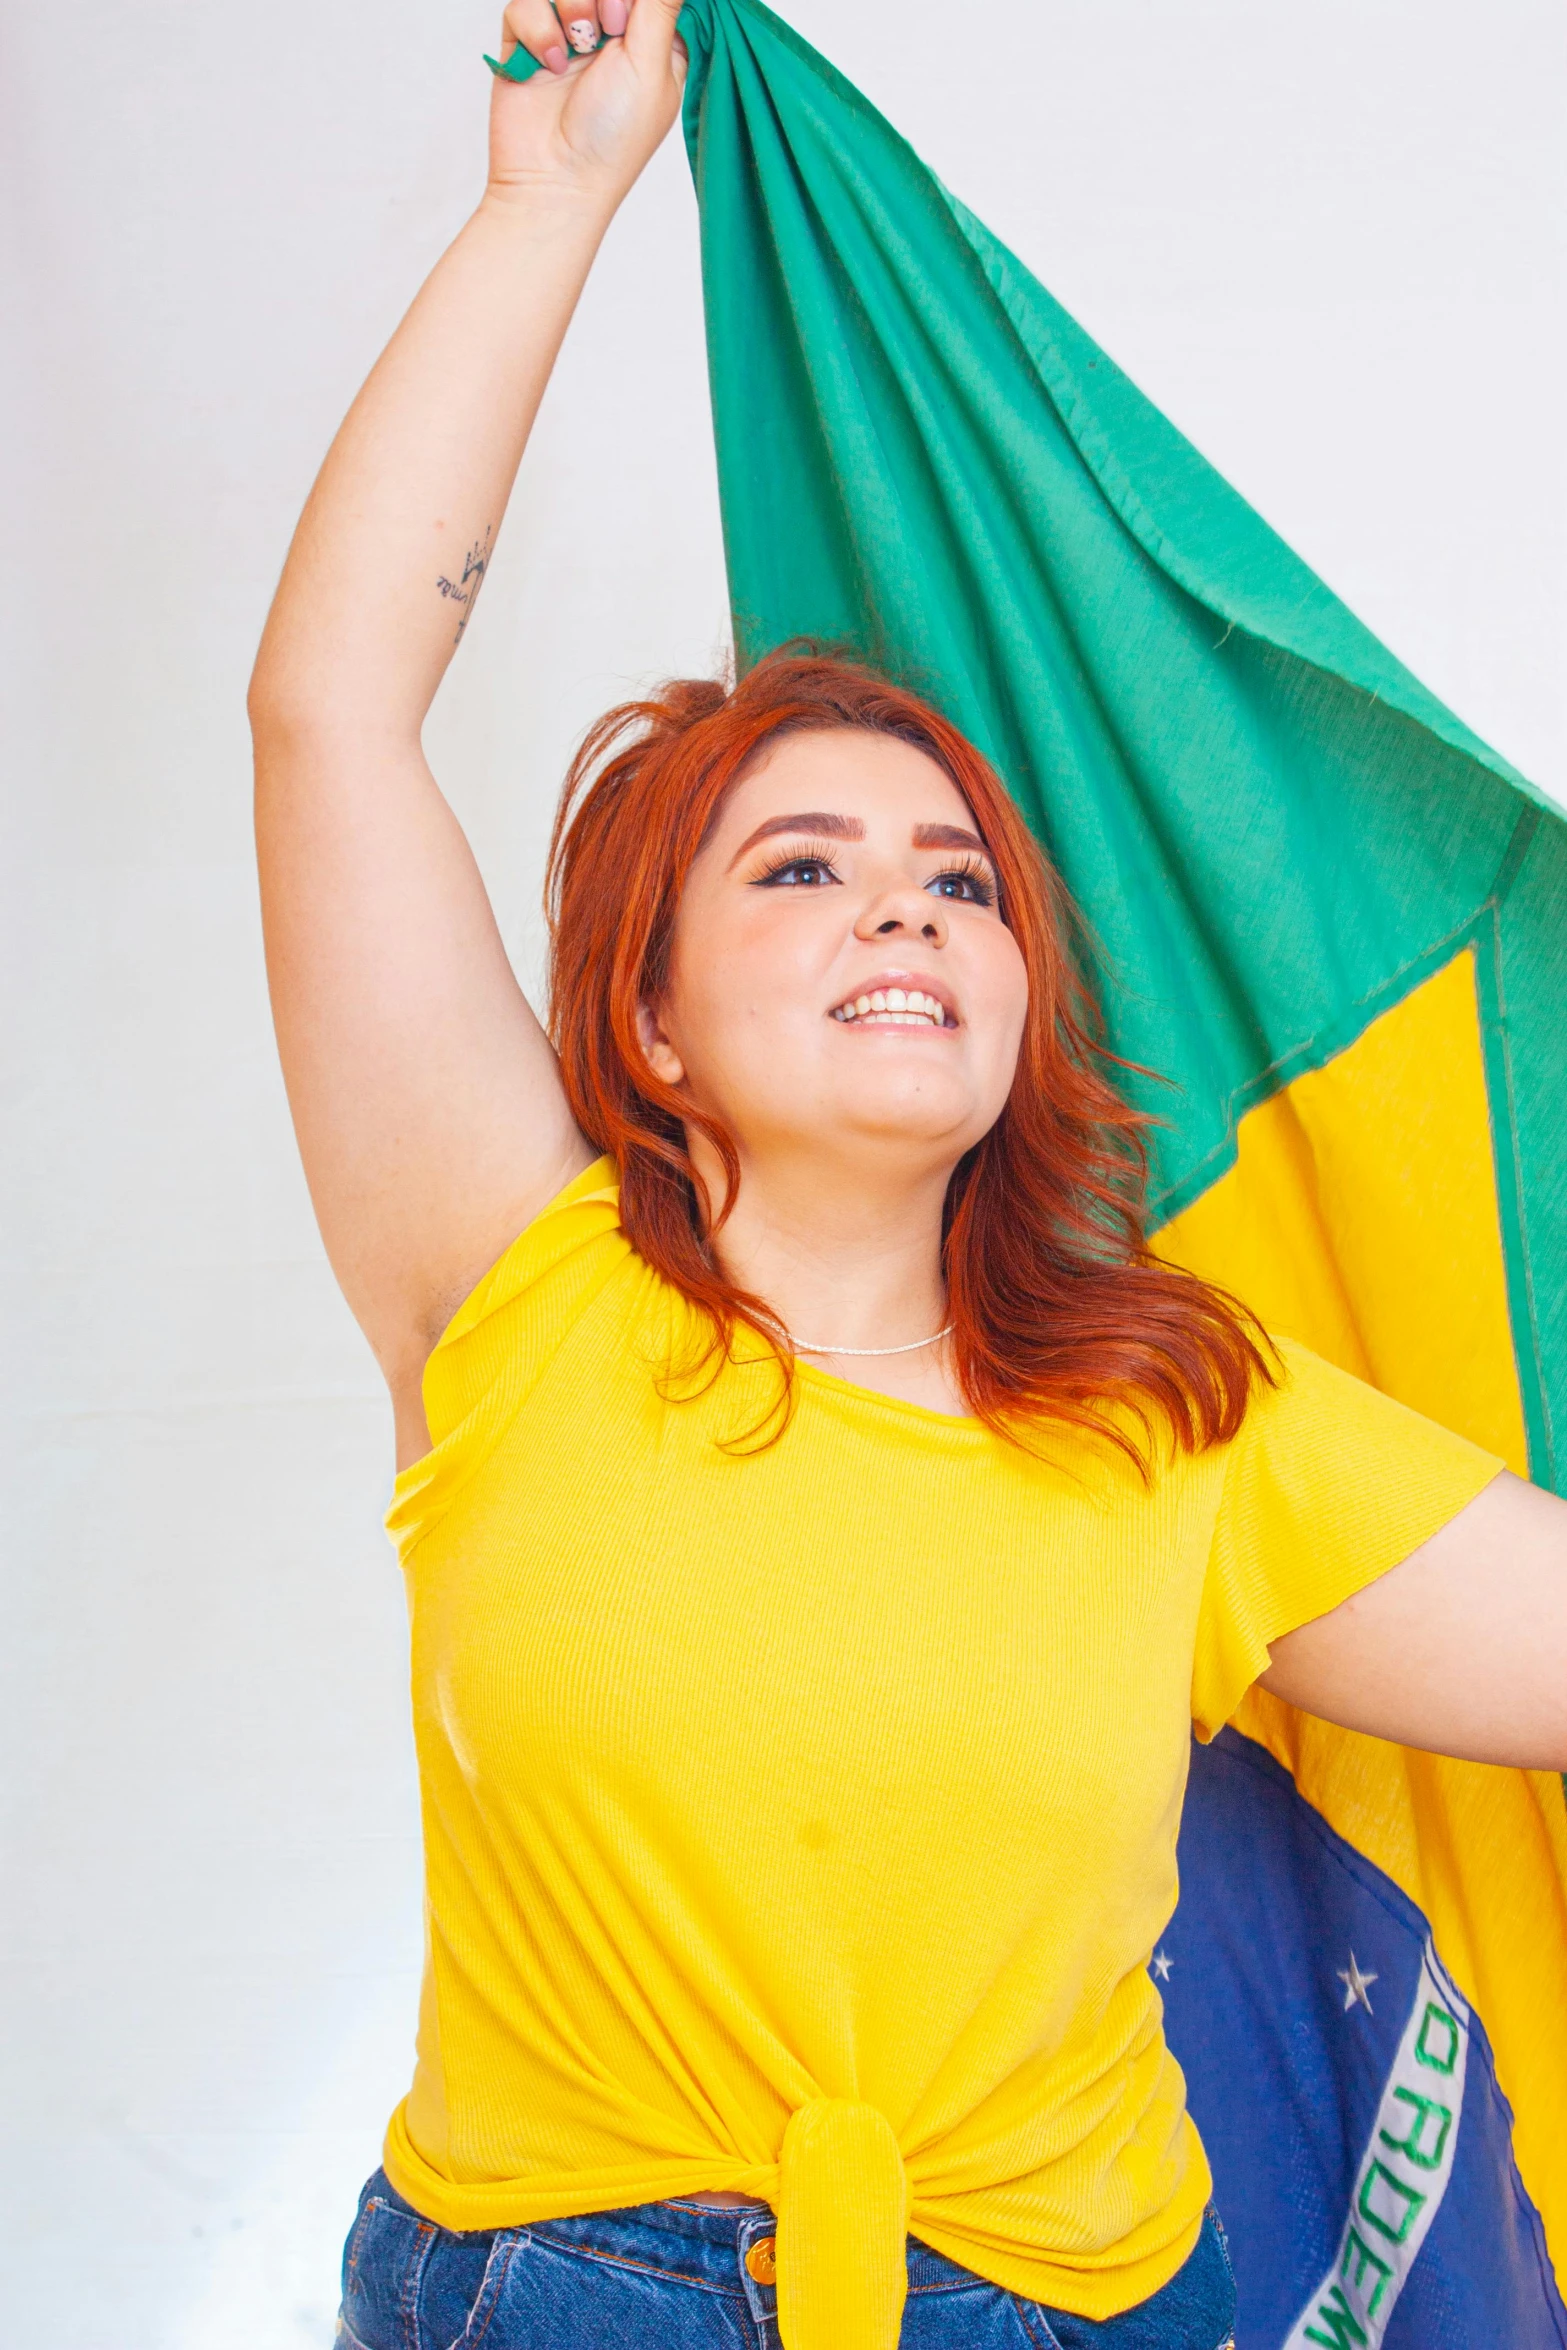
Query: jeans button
762, 2260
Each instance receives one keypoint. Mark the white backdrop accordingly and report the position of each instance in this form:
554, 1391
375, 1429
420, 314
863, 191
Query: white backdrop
1328, 241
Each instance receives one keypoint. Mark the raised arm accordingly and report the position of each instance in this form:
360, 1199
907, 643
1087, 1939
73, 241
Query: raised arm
425, 1095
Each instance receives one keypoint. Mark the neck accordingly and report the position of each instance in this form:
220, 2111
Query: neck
847, 1258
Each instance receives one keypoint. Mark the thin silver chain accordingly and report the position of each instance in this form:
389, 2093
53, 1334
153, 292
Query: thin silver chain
803, 1346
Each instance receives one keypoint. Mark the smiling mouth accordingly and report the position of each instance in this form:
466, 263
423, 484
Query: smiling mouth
894, 1007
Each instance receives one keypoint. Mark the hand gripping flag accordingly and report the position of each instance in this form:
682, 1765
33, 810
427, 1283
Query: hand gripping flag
1337, 923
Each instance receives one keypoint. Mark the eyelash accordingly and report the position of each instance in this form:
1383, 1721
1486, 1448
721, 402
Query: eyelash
811, 854
971, 870
976, 874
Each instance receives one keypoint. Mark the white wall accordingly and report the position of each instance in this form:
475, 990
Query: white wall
1329, 241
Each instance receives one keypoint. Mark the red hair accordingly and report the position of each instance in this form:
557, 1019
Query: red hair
1057, 1307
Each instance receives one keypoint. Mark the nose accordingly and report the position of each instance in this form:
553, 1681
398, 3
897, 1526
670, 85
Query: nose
903, 910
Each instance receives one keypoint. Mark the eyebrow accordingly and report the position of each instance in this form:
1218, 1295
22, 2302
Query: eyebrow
947, 836
822, 821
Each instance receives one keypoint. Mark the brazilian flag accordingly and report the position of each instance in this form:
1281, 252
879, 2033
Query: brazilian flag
1336, 924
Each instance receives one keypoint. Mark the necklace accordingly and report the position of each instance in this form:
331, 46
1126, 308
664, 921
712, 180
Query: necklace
803, 1347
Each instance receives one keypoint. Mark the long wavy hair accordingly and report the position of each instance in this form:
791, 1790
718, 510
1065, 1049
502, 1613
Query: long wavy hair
1058, 1309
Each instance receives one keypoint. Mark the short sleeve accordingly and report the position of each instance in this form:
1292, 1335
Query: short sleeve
502, 1336
1328, 1485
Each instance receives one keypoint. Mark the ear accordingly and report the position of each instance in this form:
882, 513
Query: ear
659, 1054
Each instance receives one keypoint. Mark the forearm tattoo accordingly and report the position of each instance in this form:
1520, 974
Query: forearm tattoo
463, 591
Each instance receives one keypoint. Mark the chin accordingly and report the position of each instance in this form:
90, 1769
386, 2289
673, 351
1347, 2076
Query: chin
923, 1119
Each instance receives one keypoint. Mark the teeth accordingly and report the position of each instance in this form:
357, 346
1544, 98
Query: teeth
895, 1007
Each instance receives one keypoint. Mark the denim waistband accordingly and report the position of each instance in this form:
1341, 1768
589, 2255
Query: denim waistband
706, 2246
694, 2241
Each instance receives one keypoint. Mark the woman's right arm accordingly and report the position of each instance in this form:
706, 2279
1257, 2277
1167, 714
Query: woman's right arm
425, 1095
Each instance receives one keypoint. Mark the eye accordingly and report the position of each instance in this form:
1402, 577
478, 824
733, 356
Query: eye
797, 872
970, 885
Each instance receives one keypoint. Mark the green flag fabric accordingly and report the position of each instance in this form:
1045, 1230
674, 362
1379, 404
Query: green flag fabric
1334, 924
922, 454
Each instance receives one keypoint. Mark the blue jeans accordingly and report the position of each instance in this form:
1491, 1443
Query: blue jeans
672, 2276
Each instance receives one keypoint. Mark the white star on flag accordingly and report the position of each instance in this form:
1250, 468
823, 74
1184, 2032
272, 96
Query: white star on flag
1356, 1985
1162, 1963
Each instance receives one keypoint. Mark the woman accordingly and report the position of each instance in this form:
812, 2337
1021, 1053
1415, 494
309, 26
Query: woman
823, 1521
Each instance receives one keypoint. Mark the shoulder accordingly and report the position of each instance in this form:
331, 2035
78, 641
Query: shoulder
582, 1220
1309, 1395
533, 1300
1320, 1444
570, 1280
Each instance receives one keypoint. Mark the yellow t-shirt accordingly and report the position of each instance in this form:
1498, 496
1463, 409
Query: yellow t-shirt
802, 1822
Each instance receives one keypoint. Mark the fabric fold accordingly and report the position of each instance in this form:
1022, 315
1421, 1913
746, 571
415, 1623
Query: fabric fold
843, 2210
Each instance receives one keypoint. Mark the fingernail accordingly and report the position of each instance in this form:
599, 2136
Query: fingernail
614, 16
581, 35
555, 58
